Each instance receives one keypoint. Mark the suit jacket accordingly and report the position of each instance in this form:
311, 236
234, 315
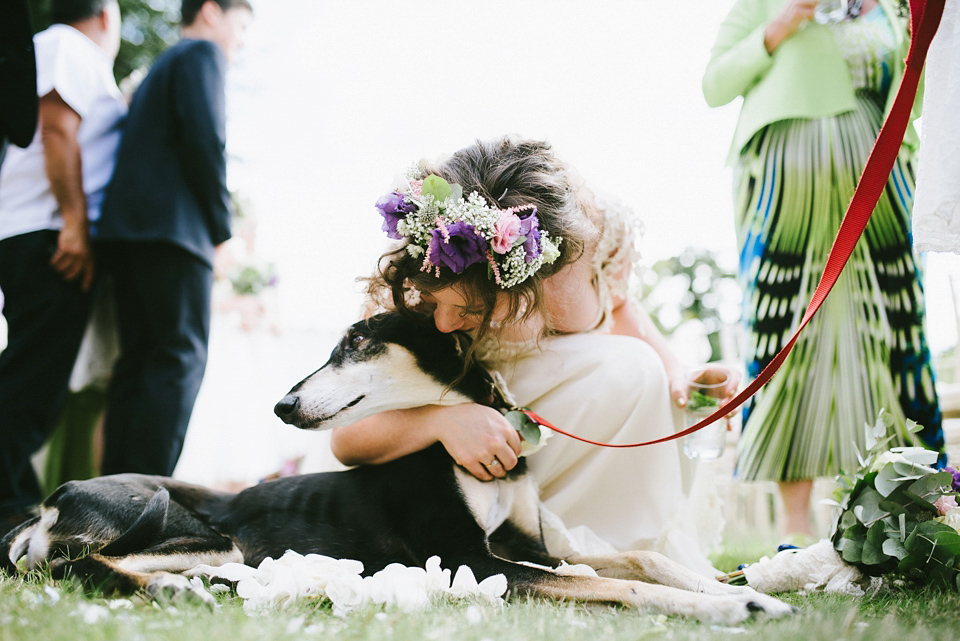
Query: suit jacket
18, 74
170, 181
806, 77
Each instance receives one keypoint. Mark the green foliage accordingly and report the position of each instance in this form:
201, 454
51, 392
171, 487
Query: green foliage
528, 429
888, 524
149, 27
705, 289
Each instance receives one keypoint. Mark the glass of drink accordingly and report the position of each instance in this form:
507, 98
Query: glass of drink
707, 390
830, 11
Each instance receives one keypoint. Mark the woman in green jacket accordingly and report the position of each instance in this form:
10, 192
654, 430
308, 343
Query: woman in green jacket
814, 98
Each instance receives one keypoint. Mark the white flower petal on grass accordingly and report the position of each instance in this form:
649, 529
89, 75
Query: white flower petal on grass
438, 579
52, 593
464, 583
346, 593
92, 613
493, 587
474, 616
118, 604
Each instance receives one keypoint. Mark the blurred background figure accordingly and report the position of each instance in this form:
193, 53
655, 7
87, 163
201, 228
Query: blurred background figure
816, 80
49, 193
166, 211
18, 76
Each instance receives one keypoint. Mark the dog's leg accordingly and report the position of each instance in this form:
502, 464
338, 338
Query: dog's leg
652, 567
109, 575
724, 609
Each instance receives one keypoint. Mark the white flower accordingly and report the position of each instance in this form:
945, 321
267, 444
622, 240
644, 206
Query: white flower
951, 518
346, 592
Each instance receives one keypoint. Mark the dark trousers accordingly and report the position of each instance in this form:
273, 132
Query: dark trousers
46, 318
163, 318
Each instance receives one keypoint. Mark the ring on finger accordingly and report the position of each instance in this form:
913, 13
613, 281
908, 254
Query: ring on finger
495, 462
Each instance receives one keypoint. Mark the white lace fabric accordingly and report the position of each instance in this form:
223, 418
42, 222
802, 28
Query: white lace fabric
936, 210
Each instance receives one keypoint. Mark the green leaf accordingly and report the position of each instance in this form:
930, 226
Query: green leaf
867, 506
850, 549
456, 192
888, 479
699, 400
872, 552
529, 430
893, 547
436, 187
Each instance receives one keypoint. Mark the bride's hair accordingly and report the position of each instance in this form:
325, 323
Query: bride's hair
507, 172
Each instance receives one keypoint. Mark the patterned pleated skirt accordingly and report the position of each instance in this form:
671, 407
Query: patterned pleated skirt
865, 349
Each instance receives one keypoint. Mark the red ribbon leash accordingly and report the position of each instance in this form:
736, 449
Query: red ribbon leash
924, 20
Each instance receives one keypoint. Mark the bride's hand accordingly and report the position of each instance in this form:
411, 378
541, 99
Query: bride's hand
479, 439
709, 374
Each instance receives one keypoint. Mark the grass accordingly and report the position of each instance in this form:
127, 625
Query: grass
35, 607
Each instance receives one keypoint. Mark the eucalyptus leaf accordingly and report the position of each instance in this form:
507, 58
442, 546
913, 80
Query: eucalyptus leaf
436, 187
872, 552
528, 429
850, 549
888, 479
895, 548
867, 506
456, 192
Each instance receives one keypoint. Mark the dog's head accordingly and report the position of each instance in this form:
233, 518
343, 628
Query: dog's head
387, 362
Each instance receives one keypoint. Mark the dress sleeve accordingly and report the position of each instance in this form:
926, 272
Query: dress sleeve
738, 58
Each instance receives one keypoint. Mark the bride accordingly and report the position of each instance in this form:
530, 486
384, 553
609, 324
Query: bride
502, 240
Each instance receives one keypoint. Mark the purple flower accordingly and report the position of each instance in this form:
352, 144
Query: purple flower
530, 228
393, 208
956, 478
459, 248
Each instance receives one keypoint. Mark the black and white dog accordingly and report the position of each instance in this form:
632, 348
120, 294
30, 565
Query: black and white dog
131, 532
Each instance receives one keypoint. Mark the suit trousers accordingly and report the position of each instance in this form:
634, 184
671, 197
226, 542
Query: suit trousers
46, 319
163, 319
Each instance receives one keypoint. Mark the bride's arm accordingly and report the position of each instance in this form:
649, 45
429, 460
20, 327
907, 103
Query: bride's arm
472, 434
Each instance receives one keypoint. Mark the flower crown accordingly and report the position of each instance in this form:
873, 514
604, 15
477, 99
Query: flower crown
450, 231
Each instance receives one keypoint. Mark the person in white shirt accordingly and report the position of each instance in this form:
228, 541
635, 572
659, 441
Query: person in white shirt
50, 192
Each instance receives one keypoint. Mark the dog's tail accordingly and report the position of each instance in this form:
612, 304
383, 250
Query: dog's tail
146, 530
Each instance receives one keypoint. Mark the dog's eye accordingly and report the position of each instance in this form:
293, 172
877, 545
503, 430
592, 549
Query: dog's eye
357, 341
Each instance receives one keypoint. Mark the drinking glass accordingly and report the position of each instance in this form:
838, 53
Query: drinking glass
707, 390
828, 11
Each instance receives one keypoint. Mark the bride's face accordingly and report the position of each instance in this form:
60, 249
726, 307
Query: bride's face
452, 309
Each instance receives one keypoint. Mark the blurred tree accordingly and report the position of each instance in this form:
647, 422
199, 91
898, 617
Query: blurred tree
149, 27
692, 287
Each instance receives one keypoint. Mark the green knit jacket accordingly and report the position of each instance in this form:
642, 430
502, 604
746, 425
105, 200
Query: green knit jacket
806, 77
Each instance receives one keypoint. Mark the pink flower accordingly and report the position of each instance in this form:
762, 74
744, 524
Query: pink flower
505, 232
945, 503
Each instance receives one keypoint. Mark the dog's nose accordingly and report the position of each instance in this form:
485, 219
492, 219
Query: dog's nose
287, 406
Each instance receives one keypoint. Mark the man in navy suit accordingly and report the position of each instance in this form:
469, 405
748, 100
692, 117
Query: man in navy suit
166, 210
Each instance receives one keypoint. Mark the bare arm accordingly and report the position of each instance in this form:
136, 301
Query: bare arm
474, 435
59, 124
794, 15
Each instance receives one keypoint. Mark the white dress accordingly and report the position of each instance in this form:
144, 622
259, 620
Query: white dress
936, 209
610, 388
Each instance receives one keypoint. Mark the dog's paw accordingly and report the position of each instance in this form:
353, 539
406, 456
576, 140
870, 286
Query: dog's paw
732, 609
173, 589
